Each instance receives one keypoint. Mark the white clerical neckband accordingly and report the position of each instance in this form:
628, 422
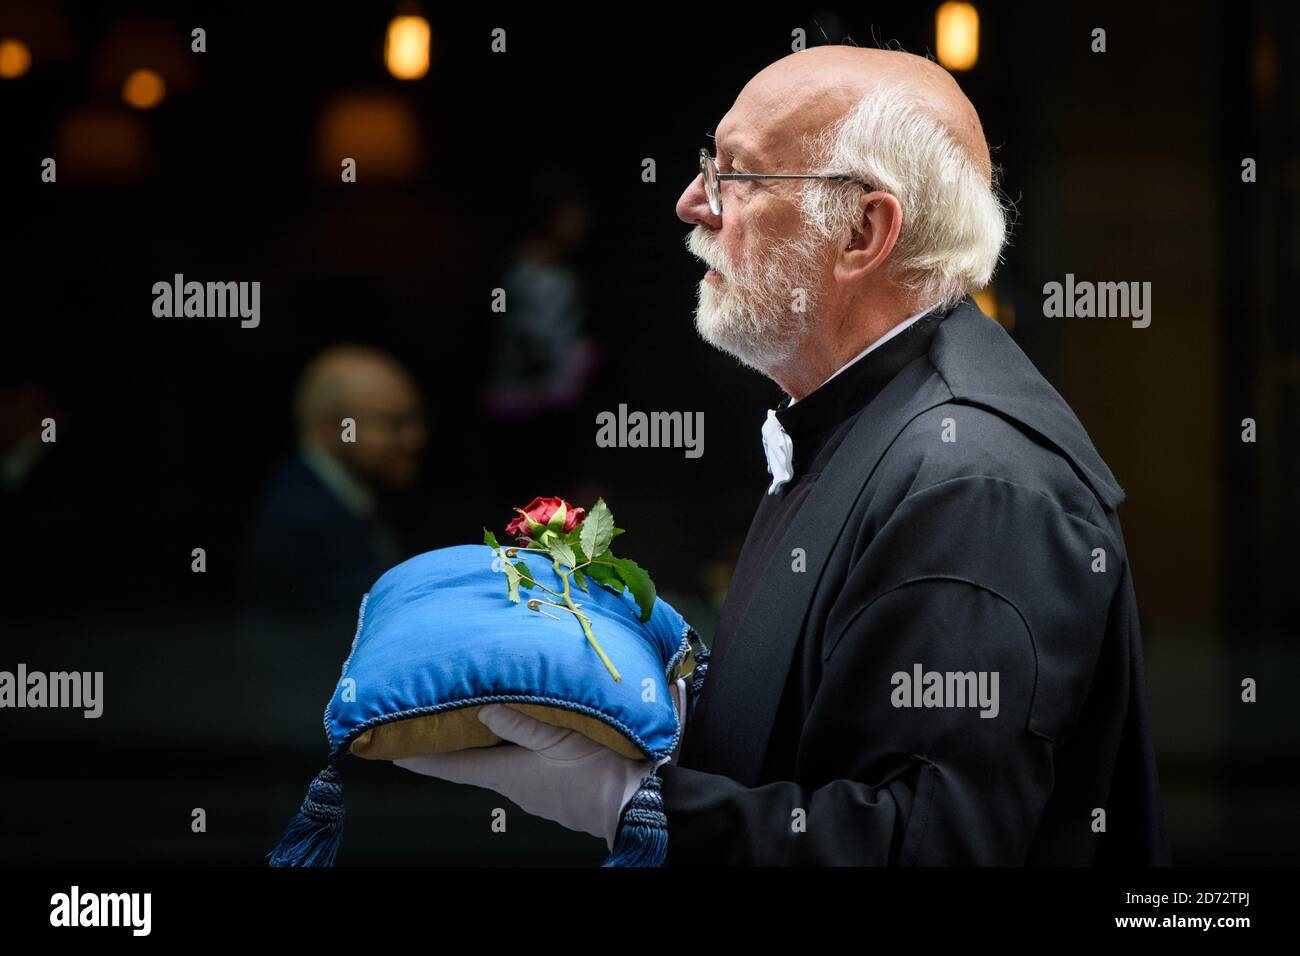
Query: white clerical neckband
778, 447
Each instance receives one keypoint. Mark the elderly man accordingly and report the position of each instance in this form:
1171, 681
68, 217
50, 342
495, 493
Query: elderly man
930, 651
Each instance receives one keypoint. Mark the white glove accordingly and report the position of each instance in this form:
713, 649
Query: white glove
551, 772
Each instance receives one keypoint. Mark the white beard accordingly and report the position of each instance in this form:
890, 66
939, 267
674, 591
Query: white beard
750, 314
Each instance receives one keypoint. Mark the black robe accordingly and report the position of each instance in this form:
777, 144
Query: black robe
960, 524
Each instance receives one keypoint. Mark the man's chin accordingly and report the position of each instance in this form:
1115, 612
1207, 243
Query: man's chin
709, 325
716, 333
762, 355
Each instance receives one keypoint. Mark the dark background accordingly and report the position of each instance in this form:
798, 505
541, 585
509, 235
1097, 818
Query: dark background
1123, 166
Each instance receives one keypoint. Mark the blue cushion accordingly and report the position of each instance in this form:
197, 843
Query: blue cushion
437, 637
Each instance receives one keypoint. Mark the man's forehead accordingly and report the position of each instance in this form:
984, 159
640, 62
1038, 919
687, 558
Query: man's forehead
769, 119
748, 140
734, 139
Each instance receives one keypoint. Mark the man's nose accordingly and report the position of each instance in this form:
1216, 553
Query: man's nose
693, 206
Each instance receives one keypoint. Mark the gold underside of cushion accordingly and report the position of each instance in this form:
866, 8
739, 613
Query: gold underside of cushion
461, 729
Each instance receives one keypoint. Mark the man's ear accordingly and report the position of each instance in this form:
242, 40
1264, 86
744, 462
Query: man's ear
880, 219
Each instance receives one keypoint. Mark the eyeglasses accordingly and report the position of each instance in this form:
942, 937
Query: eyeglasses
713, 179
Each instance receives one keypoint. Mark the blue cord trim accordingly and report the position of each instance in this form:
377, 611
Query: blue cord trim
343, 671
683, 649
695, 686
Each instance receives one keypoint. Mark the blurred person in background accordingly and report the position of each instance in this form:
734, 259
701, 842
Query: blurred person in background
542, 361
321, 537
24, 404
38, 496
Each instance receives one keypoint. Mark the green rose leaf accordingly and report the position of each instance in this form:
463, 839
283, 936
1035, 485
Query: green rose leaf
512, 581
579, 578
525, 575
639, 583
490, 539
561, 551
597, 530
603, 573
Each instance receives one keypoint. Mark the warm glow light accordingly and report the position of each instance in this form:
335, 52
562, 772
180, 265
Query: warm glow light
957, 35
14, 59
102, 145
379, 130
144, 89
995, 307
406, 48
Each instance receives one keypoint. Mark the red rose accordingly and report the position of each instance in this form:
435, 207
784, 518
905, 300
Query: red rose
540, 512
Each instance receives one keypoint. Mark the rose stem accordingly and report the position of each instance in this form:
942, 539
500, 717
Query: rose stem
586, 626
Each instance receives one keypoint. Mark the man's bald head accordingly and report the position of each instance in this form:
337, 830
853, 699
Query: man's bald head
375, 391
802, 94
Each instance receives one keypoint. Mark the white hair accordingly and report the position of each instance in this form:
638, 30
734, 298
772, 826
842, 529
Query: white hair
954, 221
